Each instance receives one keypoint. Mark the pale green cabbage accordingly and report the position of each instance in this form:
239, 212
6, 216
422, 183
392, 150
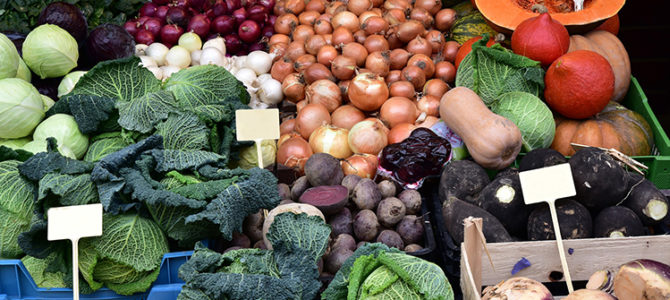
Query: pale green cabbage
15, 143
50, 51
38, 146
16, 208
65, 130
531, 115
249, 155
48, 102
21, 108
9, 58
68, 82
23, 72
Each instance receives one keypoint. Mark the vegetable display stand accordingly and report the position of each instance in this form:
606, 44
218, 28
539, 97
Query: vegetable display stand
585, 257
16, 283
659, 162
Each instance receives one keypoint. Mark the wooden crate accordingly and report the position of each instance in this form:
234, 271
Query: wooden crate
588, 256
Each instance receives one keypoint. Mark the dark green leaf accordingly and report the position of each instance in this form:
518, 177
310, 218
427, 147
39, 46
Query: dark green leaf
204, 85
143, 113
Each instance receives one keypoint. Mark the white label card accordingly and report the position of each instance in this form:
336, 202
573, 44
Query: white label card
74, 222
257, 124
546, 184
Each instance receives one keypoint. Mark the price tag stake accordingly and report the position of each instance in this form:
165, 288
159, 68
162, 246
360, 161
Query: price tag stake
257, 125
547, 185
73, 223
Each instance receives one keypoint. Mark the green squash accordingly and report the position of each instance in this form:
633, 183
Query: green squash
470, 26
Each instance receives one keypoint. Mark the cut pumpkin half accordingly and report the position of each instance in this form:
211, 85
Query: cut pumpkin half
505, 15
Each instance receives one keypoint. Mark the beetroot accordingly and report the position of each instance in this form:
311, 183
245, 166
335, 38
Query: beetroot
329, 199
336, 258
386, 188
390, 211
299, 186
413, 248
240, 240
350, 181
366, 225
366, 194
344, 241
341, 223
391, 238
410, 229
284, 191
412, 201
253, 226
323, 169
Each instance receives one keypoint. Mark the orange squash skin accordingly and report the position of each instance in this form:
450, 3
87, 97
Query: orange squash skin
492, 140
615, 127
541, 38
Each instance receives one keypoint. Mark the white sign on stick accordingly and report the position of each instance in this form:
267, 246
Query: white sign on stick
73, 223
547, 185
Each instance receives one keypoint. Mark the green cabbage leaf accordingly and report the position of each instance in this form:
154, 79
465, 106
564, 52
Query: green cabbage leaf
533, 117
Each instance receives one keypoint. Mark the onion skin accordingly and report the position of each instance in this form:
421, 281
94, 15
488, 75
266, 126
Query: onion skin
398, 110
299, 106
435, 87
368, 136
643, 279
414, 75
294, 153
355, 51
287, 126
310, 118
444, 19
286, 136
393, 76
424, 63
430, 105
363, 165
407, 31
332, 140
293, 87
342, 36
399, 58
445, 71
281, 69
400, 132
347, 20
343, 67
326, 55
346, 116
302, 32
402, 89
326, 93
376, 42
585, 294
378, 63
317, 72
449, 51
428, 122
368, 91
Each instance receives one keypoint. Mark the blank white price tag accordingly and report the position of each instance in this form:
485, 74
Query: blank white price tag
257, 125
547, 185
72, 223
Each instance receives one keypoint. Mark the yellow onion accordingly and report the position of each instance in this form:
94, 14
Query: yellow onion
368, 136
363, 165
332, 140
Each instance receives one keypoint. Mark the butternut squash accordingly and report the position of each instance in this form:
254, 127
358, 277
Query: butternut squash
610, 47
492, 140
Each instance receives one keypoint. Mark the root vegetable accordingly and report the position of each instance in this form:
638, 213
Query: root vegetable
462, 179
413, 248
341, 223
232, 248
599, 179
329, 199
390, 211
643, 279
336, 258
647, 201
366, 194
344, 241
391, 238
366, 225
540, 158
240, 240
323, 169
617, 221
259, 245
350, 181
585, 294
517, 288
410, 229
575, 221
386, 188
503, 199
253, 226
284, 191
455, 211
412, 201
299, 186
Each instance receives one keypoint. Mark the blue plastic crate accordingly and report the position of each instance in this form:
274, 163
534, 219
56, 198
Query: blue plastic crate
16, 283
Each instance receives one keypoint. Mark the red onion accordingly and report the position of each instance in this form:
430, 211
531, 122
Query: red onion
258, 46
240, 15
271, 20
148, 9
199, 24
258, 13
233, 43
220, 8
132, 27
233, 4
176, 15
153, 25
268, 31
249, 31
170, 34
145, 37
161, 12
223, 25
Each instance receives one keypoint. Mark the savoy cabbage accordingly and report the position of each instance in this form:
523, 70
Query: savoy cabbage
533, 117
16, 203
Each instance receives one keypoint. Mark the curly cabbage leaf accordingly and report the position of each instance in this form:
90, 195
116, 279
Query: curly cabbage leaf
287, 272
101, 146
92, 113
491, 72
531, 115
198, 88
144, 112
16, 208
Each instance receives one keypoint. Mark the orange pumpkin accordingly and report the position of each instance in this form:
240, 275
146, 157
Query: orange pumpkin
615, 127
610, 47
505, 15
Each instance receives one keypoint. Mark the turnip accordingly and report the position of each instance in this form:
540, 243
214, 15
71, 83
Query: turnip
386, 188
284, 191
391, 238
360, 244
643, 279
350, 181
410, 229
617, 221
575, 221
462, 179
341, 223
585, 294
365, 225
412, 201
336, 258
323, 169
299, 186
344, 241
390, 211
366, 194
517, 288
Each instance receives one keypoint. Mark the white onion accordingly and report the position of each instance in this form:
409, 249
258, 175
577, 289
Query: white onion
259, 61
263, 78
270, 92
241, 62
211, 56
158, 72
147, 61
140, 49
247, 76
195, 57
218, 43
190, 41
168, 71
179, 57
157, 51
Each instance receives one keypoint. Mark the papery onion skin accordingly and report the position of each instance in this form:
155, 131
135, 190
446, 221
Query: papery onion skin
430, 105
378, 62
326, 55
316, 72
286, 136
399, 58
400, 132
449, 51
343, 67
326, 93
424, 63
398, 110
402, 89
363, 165
445, 71
281, 69
310, 117
414, 75
332, 140
300, 105
294, 153
435, 87
393, 76
356, 51
368, 91
347, 20
293, 87
368, 136
346, 116
287, 126
428, 122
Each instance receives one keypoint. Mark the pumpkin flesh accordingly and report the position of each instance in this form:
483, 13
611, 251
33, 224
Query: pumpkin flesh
505, 15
